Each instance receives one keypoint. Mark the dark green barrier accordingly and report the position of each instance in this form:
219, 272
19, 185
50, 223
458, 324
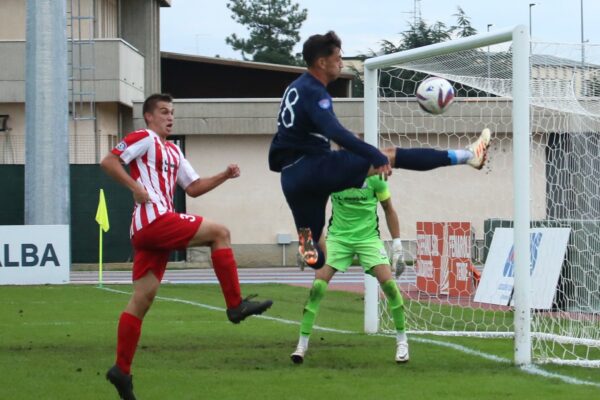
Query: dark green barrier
86, 181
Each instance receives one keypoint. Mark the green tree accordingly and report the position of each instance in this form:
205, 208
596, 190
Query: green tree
418, 35
421, 34
397, 81
273, 26
463, 26
392, 79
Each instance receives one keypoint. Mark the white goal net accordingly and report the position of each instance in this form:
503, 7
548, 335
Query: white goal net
456, 281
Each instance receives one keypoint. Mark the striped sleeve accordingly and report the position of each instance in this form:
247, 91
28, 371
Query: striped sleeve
133, 145
186, 174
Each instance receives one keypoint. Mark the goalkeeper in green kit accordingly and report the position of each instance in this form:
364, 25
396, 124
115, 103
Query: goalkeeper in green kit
354, 231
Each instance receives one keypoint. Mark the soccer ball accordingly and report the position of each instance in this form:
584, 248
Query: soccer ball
435, 95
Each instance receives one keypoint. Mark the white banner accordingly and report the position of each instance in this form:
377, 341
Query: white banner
34, 254
547, 248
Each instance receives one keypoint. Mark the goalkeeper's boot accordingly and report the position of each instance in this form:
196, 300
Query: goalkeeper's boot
246, 308
298, 355
399, 270
402, 352
479, 148
399, 267
122, 382
306, 249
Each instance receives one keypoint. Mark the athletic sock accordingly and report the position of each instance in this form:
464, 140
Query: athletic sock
460, 156
311, 308
128, 335
421, 159
396, 304
401, 337
226, 270
303, 341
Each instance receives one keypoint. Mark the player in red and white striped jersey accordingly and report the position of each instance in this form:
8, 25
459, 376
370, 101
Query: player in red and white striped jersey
156, 166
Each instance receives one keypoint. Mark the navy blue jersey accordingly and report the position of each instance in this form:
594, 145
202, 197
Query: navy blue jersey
306, 123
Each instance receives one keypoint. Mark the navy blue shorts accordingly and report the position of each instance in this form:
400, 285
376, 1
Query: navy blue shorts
308, 182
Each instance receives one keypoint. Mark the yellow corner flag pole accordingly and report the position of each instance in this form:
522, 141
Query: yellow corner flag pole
104, 226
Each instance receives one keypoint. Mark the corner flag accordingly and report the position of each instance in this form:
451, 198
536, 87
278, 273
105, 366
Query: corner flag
102, 220
102, 213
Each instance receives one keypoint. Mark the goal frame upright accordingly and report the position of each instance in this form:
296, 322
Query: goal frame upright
519, 36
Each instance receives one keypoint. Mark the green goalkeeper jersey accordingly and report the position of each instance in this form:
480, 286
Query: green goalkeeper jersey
354, 211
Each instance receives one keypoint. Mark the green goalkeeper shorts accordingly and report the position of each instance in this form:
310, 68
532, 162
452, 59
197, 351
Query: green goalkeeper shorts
370, 253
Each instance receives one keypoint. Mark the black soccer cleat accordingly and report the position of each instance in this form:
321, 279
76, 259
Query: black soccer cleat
122, 382
247, 308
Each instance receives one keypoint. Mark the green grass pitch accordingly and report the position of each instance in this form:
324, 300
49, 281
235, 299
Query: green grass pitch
56, 342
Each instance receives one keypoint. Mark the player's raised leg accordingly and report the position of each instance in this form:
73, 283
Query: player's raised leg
479, 148
307, 186
425, 159
308, 210
217, 236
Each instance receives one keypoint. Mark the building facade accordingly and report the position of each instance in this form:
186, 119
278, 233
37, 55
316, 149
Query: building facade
113, 60
223, 116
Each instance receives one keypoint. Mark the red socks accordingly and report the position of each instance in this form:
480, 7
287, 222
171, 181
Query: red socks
130, 327
226, 270
128, 334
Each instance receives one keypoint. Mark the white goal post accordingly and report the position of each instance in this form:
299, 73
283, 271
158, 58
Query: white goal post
519, 38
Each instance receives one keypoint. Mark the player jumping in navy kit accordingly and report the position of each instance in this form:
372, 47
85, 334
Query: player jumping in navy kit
311, 170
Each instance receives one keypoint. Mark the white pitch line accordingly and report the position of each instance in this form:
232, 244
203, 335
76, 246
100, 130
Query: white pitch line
458, 347
530, 369
193, 303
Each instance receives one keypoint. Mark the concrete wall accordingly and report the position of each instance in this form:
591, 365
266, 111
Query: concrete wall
137, 21
12, 142
252, 205
12, 19
118, 79
140, 23
85, 146
12, 71
119, 71
91, 140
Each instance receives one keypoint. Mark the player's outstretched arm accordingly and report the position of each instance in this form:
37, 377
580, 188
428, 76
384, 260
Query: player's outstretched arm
111, 164
393, 223
204, 185
391, 218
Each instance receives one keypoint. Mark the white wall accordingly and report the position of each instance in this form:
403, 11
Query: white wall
252, 206
12, 19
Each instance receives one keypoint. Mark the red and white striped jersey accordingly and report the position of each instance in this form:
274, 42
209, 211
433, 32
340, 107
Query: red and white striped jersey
158, 167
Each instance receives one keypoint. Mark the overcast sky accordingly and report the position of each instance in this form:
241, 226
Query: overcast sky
201, 26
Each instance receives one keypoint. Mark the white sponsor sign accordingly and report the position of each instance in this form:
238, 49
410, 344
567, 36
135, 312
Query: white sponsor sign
34, 254
547, 248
